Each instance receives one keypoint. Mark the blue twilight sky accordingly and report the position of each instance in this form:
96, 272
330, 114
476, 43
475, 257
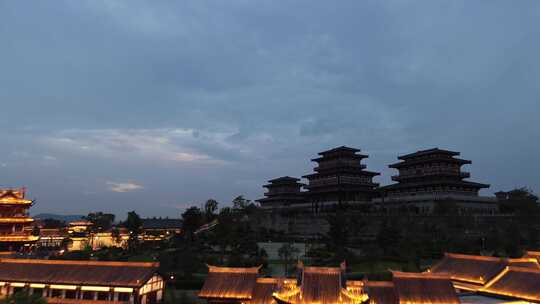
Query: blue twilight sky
156, 105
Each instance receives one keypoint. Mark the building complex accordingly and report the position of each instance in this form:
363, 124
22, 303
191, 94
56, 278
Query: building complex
426, 178
455, 279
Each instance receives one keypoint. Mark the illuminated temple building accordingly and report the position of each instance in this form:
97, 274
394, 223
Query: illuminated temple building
517, 279
15, 221
323, 285
457, 278
434, 176
66, 282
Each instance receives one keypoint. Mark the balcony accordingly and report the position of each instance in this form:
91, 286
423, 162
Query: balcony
452, 173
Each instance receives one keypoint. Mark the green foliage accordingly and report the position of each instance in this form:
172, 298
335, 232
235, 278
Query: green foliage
133, 224
288, 254
240, 203
192, 219
521, 201
100, 221
210, 208
50, 223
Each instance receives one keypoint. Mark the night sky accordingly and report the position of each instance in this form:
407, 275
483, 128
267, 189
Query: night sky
157, 105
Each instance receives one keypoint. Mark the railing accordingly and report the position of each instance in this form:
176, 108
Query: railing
430, 173
438, 196
80, 301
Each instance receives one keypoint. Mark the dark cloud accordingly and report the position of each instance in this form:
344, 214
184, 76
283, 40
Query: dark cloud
182, 101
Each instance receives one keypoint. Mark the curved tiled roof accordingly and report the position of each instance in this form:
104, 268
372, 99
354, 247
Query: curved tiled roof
381, 292
227, 283
469, 268
422, 288
516, 282
117, 274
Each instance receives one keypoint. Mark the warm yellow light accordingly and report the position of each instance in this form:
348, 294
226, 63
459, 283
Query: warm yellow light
123, 289
95, 288
17, 284
67, 287
37, 285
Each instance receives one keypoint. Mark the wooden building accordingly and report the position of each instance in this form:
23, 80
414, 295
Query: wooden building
469, 272
434, 176
323, 285
490, 278
520, 283
412, 288
533, 255
229, 285
161, 227
15, 221
283, 192
65, 282
340, 179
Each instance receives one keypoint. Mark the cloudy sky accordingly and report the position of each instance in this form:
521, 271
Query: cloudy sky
156, 105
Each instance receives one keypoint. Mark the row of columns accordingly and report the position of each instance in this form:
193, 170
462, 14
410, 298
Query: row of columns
79, 294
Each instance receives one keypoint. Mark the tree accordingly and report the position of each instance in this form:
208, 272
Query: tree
23, 297
240, 203
288, 253
210, 208
521, 201
337, 235
115, 234
100, 221
191, 221
133, 224
50, 223
225, 232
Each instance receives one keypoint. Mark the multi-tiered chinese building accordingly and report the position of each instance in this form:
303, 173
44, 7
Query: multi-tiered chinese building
340, 179
15, 221
433, 175
283, 192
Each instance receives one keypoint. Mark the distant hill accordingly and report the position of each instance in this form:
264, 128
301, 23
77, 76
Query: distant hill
65, 218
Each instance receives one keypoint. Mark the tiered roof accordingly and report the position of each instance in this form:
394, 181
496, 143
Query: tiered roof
284, 189
115, 274
423, 288
340, 169
14, 197
324, 285
515, 282
533, 255
531, 263
412, 288
14, 214
264, 289
381, 292
428, 177
479, 273
470, 271
227, 283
